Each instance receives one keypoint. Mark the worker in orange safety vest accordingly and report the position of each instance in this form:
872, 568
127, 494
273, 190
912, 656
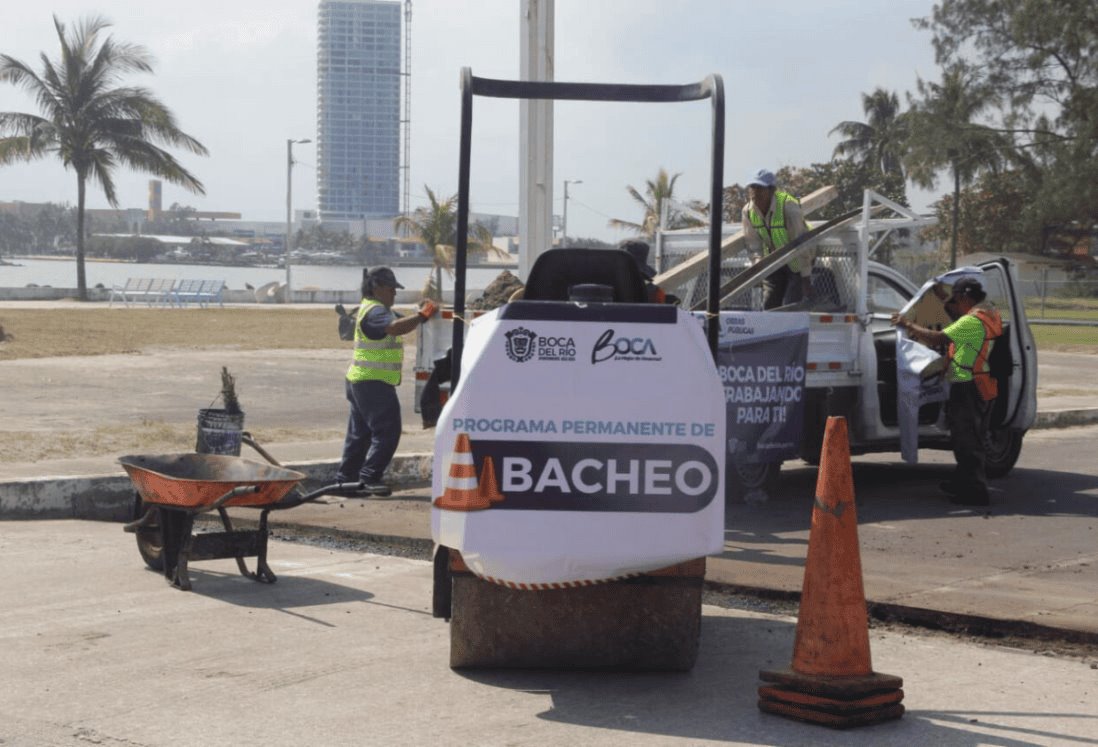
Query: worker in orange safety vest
968, 342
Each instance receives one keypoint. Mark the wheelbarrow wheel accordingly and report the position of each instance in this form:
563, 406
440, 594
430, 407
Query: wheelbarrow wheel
150, 540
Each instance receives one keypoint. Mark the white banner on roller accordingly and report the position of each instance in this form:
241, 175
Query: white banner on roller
581, 447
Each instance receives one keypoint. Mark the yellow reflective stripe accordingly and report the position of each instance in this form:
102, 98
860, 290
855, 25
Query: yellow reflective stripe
380, 365
379, 355
385, 343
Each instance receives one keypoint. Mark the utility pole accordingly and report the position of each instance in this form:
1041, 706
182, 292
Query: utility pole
535, 134
564, 217
289, 207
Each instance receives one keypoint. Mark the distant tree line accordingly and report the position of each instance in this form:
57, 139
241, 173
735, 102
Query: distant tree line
49, 230
362, 249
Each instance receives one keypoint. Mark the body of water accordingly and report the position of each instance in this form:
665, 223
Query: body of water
61, 273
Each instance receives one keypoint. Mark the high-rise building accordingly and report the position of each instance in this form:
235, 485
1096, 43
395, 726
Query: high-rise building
358, 109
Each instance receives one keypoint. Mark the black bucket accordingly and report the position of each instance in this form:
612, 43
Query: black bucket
219, 432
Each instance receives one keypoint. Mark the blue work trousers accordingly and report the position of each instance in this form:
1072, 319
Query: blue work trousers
373, 431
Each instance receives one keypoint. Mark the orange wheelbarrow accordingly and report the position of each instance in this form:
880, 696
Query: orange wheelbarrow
172, 489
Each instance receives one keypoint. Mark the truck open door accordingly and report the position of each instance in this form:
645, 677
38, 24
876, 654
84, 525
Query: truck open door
1013, 362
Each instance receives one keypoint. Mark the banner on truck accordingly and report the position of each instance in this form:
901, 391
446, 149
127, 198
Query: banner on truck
761, 362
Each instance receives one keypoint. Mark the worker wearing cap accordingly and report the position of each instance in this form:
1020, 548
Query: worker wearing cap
771, 219
972, 389
373, 429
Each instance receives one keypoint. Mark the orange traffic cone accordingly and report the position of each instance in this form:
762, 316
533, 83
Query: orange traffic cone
488, 486
460, 492
831, 680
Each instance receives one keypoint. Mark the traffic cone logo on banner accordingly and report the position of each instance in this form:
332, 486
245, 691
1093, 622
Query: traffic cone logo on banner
488, 486
831, 679
460, 493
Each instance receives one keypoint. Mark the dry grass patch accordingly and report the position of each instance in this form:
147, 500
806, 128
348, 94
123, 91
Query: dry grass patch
98, 330
146, 437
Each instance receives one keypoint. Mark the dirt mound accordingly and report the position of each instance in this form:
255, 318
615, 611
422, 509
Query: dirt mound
497, 293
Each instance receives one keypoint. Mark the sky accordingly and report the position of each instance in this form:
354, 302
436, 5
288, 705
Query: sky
240, 75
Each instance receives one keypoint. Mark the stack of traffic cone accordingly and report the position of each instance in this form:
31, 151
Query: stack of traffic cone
488, 486
831, 680
460, 492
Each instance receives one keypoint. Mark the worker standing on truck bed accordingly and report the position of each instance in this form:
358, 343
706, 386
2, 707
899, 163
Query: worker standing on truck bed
771, 219
972, 389
373, 428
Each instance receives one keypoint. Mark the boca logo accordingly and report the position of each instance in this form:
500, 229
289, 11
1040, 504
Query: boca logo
523, 344
580, 476
608, 347
520, 344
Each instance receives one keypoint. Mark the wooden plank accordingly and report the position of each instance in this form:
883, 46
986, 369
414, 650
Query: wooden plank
686, 271
785, 255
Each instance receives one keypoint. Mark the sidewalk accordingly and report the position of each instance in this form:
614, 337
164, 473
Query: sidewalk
343, 651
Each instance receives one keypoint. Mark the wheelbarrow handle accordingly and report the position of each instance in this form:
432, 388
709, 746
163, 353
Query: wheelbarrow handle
297, 500
237, 491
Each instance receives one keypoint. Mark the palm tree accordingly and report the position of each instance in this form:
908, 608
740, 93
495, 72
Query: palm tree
435, 224
879, 141
945, 134
89, 121
655, 193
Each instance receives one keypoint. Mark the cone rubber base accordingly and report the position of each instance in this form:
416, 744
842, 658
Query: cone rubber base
841, 687
834, 720
831, 705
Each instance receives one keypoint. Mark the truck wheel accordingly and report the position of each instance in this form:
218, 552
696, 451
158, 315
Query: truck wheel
743, 479
1003, 447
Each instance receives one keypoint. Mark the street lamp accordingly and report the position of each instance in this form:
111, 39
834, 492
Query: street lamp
564, 218
289, 206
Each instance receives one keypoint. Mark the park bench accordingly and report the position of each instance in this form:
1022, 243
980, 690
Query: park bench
150, 290
201, 292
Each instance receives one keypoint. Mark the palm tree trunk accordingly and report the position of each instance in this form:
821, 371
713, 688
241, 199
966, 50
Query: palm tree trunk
956, 217
81, 279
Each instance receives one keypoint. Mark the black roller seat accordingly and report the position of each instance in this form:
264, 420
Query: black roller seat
557, 270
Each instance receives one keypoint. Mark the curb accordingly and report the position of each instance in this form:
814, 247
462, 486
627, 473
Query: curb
110, 497
983, 626
1066, 418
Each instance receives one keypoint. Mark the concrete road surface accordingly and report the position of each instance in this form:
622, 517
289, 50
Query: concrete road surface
343, 651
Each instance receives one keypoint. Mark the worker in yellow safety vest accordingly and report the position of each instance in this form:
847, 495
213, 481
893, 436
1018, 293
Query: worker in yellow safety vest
771, 219
373, 428
968, 341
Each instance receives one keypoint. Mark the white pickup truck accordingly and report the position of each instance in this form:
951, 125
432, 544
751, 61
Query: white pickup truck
851, 365
852, 346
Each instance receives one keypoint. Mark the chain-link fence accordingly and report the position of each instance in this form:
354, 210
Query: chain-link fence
834, 275
1068, 300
